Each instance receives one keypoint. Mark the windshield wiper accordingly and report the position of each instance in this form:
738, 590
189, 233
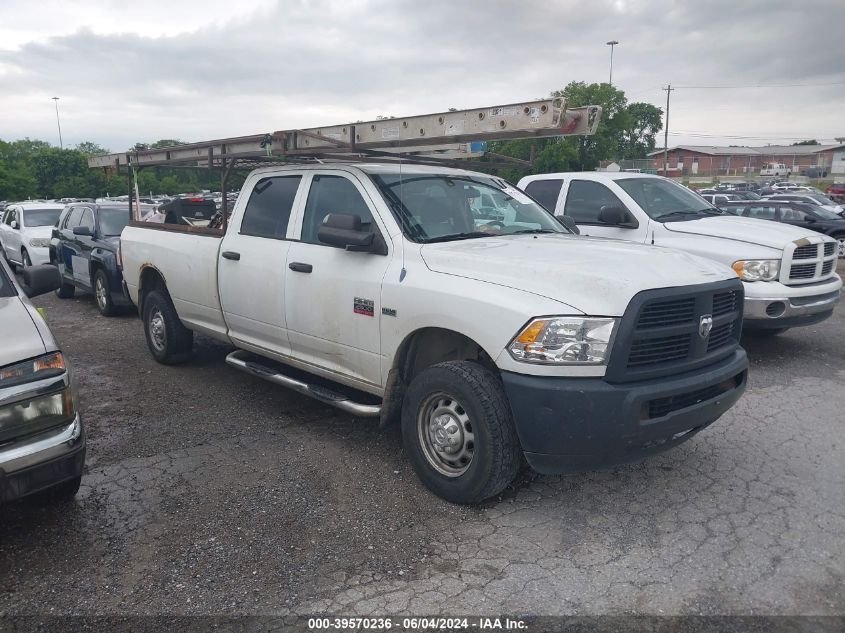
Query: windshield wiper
688, 212
459, 236
533, 231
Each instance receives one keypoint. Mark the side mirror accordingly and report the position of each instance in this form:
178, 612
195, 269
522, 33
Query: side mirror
82, 230
13, 224
568, 223
612, 214
345, 231
39, 280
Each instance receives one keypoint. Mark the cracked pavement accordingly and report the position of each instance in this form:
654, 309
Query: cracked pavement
211, 492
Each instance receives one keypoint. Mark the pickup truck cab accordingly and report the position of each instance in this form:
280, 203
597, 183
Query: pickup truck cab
789, 273
42, 441
450, 301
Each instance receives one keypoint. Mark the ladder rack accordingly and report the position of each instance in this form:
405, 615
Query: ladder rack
429, 137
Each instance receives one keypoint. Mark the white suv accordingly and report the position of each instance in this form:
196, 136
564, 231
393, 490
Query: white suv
25, 232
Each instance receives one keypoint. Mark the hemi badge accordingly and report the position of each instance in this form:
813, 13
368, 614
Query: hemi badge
388, 312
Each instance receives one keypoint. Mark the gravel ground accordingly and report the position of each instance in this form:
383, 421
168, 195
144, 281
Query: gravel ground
211, 492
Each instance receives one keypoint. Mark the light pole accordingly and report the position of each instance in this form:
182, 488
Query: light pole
58, 123
611, 43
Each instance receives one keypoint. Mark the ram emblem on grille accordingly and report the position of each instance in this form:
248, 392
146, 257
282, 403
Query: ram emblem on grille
705, 325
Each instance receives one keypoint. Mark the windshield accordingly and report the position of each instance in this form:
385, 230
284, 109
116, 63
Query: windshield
446, 207
822, 199
112, 221
41, 217
665, 200
826, 214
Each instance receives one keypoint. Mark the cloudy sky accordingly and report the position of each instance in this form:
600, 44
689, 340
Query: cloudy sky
747, 71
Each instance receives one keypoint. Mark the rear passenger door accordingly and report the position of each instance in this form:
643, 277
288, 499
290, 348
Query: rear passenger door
253, 259
546, 192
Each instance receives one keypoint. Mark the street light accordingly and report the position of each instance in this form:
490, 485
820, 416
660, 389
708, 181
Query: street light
611, 43
58, 123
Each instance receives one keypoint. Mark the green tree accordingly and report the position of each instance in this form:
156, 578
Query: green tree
643, 122
808, 142
91, 149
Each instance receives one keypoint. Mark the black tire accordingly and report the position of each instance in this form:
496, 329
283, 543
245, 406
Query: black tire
477, 393
173, 342
104, 302
26, 262
66, 290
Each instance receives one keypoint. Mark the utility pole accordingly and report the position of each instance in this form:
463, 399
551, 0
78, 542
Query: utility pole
58, 123
611, 43
668, 90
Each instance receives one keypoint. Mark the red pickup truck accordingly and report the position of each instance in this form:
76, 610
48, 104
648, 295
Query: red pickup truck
836, 191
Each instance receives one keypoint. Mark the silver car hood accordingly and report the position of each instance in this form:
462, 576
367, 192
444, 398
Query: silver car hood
20, 334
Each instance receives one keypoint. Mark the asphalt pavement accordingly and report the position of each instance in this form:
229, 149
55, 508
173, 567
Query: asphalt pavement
208, 491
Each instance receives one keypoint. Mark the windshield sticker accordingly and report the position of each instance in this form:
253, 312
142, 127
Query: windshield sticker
517, 195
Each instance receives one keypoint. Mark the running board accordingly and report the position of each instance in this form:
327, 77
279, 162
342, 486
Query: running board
245, 362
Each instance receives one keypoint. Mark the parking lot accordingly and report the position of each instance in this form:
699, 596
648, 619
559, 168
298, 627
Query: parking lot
211, 492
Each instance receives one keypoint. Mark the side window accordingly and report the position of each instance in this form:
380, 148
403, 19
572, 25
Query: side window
761, 213
585, 199
268, 211
545, 192
73, 218
87, 218
791, 214
332, 194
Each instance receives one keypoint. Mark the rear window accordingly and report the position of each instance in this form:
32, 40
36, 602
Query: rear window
268, 211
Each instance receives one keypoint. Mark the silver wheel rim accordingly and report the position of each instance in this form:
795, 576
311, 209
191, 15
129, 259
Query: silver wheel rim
445, 433
100, 291
156, 327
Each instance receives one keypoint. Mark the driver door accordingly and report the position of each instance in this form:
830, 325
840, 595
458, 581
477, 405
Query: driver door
333, 295
584, 200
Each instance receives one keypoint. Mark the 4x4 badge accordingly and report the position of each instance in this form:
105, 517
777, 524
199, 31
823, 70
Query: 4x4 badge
705, 325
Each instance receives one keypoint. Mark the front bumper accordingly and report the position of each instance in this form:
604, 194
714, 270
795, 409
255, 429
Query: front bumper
576, 424
42, 461
790, 306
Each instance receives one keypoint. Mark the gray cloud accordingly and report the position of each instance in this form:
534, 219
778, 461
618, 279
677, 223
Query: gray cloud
308, 63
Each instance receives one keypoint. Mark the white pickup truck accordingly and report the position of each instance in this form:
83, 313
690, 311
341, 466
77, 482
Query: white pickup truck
450, 300
789, 273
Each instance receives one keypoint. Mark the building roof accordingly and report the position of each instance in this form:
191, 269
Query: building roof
766, 150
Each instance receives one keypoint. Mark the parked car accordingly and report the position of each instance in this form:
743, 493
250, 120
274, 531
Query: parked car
814, 172
815, 199
775, 169
42, 440
387, 291
715, 198
806, 216
84, 247
836, 192
780, 291
25, 232
790, 186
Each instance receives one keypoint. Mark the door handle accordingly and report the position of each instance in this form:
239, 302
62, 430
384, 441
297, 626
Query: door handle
299, 267
231, 255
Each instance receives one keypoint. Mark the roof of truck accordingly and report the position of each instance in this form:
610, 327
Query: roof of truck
371, 168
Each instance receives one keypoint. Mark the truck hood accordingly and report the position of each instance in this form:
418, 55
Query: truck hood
593, 275
31, 232
750, 230
26, 341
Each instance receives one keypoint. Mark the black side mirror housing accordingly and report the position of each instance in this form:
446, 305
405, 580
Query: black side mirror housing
568, 223
39, 280
81, 230
614, 215
344, 230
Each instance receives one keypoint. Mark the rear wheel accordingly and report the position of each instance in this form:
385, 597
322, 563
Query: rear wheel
458, 432
169, 341
102, 292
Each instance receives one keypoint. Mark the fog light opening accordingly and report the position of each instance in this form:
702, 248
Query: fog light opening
775, 309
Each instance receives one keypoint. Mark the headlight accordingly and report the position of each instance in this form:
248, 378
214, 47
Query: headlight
757, 269
35, 369
564, 341
36, 414
39, 242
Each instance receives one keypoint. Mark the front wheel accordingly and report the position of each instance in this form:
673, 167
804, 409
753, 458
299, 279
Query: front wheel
27, 262
102, 292
458, 432
169, 341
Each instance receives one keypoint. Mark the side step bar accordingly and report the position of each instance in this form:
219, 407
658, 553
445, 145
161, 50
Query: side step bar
246, 362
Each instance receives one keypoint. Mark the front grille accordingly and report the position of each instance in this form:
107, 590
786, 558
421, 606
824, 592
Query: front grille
810, 251
660, 407
659, 350
827, 267
671, 312
724, 302
829, 248
802, 271
661, 331
720, 335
